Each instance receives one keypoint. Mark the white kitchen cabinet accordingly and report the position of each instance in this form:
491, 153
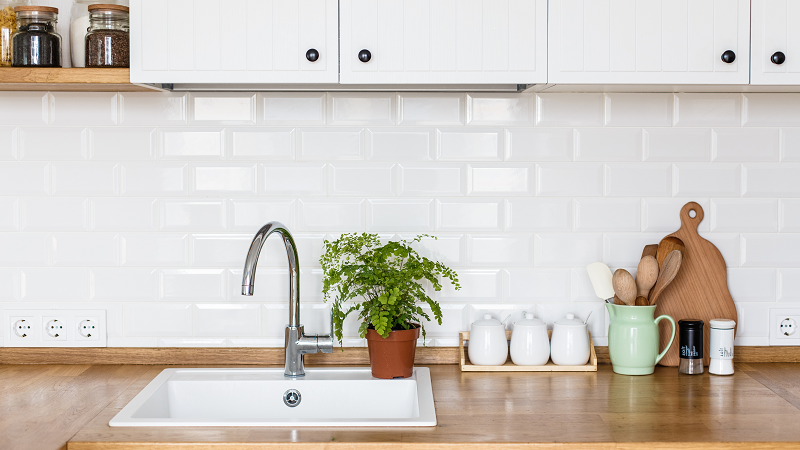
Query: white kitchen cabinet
649, 41
443, 41
234, 41
775, 42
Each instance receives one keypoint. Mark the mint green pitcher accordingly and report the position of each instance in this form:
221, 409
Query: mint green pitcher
633, 339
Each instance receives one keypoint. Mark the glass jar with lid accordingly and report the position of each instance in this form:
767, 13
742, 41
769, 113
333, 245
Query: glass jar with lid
108, 39
79, 26
36, 43
8, 26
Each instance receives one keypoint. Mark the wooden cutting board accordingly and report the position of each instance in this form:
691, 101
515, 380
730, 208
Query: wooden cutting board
699, 291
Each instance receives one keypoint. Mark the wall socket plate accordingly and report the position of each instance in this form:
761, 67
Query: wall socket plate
54, 328
783, 326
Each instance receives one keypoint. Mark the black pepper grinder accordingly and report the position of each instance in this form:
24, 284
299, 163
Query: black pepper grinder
691, 341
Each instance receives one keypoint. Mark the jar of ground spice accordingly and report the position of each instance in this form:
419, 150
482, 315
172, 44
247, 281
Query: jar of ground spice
108, 41
36, 43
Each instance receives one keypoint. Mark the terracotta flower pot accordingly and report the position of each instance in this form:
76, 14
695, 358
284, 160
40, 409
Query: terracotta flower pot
393, 356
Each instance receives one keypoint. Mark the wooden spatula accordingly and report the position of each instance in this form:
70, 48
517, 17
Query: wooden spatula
669, 270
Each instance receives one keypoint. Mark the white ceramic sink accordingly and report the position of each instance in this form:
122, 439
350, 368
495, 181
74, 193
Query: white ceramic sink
337, 397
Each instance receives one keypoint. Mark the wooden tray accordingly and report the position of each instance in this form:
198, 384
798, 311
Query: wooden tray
509, 366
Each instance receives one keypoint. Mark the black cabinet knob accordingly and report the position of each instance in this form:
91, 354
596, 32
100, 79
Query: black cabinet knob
364, 56
728, 57
778, 58
312, 55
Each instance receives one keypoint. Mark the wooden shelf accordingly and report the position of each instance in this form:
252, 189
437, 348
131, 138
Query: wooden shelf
74, 80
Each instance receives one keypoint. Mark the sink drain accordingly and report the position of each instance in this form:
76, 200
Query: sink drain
292, 398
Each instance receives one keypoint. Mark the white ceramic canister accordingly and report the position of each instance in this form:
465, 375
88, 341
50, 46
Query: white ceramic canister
569, 345
721, 349
530, 345
487, 342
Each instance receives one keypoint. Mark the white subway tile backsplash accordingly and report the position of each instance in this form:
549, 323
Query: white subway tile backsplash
747, 144
678, 144
315, 319
123, 285
476, 284
501, 109
730, 245
25, 108
276, 144
663, 214
115, 144
250, 215
157, 319
789, 285
607, 214
567, 250
330, 143
240, 179
83, 108
703, 110
154, 109
434, 108
569, 180
771, 180
789, 216
707, 180
625, 249
551, 312
185, 215
271, 285
771, 110
192, 143
227, 319
571, 109
53, 144
400, 215
528, 214
458, 144
9, 214
581, 289
362, 108
609, 144
447, 248
123, 214
215, 250
753, 321
536, 285
649, 110
31, 178
753, 285
85, 249
362, 179
9, 137
345, 215
639, 180
153, 250
737, 215
401, 144
155, 179
294, 179
47, 284
25, 249
85, 178
477, 215
193, 285
494, 180
9, 285
292, 108
432, 179
54, 214
500, 250
790, 143
273, 253
540, 144
222, 108
771, 250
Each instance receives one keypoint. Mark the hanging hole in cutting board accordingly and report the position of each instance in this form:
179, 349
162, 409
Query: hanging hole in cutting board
692, 214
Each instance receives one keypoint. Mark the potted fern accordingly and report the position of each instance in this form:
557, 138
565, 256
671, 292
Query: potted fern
383, 284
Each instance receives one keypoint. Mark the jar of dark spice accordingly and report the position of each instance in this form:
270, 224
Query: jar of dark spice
108, 40
36, 43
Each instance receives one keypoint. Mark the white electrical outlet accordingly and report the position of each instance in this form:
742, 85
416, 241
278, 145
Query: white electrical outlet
784, 326
54, 328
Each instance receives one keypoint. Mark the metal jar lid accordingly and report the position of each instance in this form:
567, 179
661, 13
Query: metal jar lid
691, 323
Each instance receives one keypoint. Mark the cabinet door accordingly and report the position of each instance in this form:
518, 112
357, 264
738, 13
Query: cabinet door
649, 41
776, 42
234, 41
444, 41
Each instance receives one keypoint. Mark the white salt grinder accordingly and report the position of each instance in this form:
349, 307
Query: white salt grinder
721, 349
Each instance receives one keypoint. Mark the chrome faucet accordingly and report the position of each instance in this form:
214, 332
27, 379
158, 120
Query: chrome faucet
297, 343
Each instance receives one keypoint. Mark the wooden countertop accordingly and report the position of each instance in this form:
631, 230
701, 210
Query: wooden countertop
42, 407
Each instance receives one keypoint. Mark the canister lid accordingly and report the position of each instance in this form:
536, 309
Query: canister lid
691, 323
570, 321
722, 324
487, 321
106, 6
36, 8
530, 321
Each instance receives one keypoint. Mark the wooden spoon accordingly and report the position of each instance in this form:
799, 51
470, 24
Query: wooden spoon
646, 277
670, 268
625, 286
667, 246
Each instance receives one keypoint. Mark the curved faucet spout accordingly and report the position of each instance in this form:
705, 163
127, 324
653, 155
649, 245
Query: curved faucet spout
249, 275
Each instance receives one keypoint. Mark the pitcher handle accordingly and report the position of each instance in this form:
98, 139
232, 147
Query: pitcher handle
671, 338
